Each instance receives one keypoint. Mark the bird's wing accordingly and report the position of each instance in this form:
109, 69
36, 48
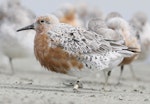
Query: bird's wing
87, 46
100, 27
78, 41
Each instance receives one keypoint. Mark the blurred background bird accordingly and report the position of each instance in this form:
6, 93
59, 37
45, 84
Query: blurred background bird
77, 14
12, 45
67, 14
141, 26
114, 27
115, 21
86, 12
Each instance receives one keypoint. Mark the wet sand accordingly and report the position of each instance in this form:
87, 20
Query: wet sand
34, 85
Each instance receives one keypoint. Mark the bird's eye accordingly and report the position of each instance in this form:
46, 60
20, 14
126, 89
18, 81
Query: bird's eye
42, 21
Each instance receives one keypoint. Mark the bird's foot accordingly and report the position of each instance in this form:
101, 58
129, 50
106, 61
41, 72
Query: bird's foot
77, 85
69, 84
106, 89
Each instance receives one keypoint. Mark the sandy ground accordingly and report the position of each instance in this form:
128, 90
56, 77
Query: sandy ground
33, 85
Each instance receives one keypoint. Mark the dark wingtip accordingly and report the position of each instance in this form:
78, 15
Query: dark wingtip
133, 49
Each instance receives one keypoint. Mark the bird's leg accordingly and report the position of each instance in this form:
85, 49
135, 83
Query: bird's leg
11, 66
132, 72
77, 85
121, 72
106, 81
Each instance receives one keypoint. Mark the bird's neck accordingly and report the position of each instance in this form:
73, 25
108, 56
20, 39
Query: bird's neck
41, 45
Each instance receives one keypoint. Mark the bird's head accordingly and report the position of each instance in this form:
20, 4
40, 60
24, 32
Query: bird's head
112, 15
42, 23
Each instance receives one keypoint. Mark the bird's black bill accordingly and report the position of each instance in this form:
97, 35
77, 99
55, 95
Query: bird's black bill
26, 28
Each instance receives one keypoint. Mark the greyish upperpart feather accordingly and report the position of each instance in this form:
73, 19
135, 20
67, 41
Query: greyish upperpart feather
90, 48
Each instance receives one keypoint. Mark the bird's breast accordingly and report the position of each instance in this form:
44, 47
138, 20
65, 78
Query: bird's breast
54, 58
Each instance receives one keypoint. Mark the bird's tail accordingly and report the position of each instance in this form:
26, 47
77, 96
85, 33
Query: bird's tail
119, 46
